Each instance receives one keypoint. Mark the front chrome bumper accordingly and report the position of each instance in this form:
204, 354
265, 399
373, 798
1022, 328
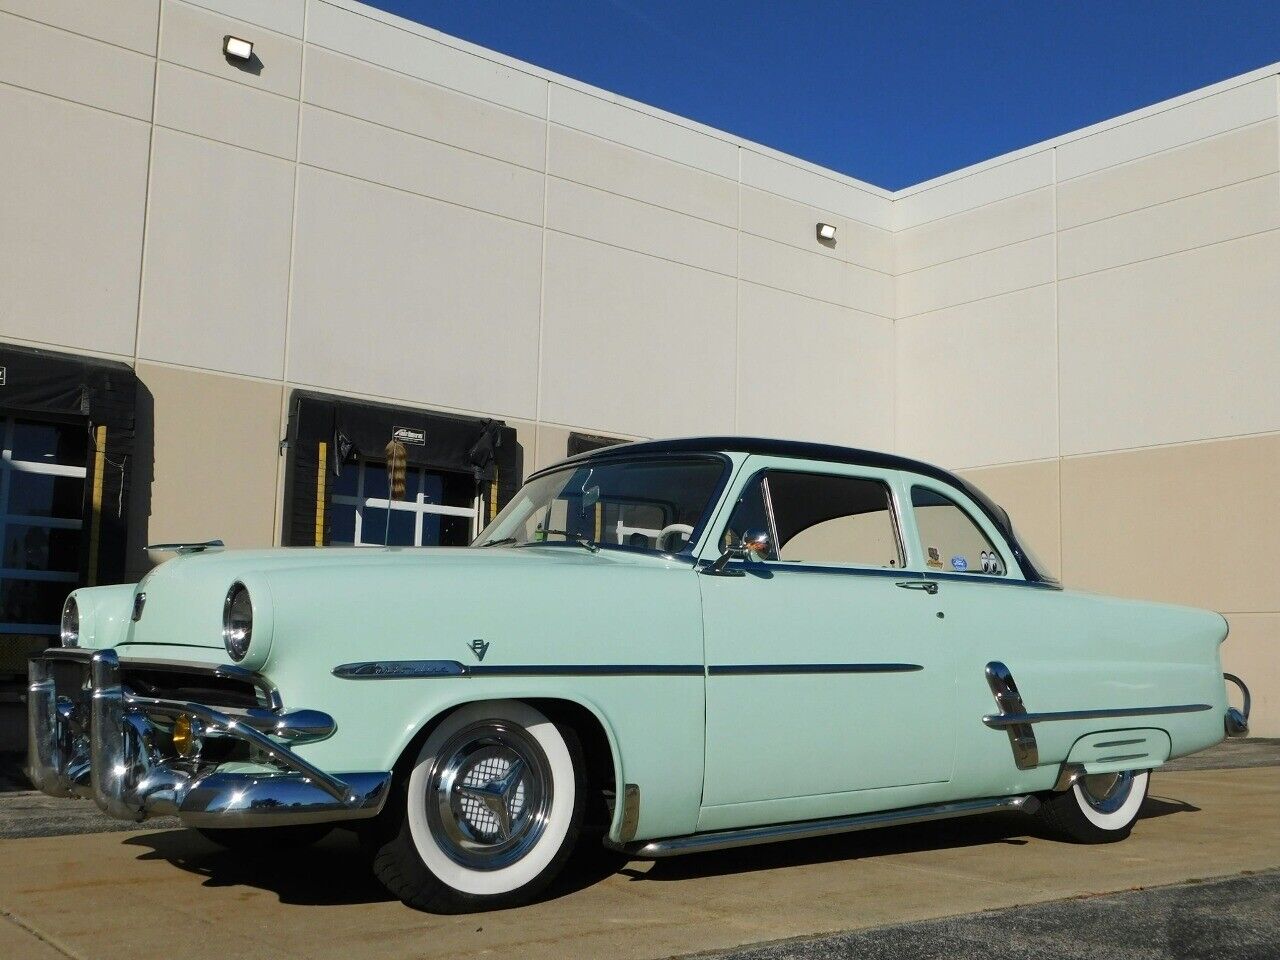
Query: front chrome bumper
101, 742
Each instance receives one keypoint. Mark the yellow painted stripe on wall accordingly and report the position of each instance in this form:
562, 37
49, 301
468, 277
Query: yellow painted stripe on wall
493, 494
322, 464
95, 503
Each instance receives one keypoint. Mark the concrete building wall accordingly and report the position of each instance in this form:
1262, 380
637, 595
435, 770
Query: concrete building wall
1088, 330
371, 209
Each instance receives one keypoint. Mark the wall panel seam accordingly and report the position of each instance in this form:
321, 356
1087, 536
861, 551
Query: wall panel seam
647, 203
79, 103
737, 305
1171, 444
978, 253
642, 253
418, 136
965, 303
146, 196
1164, 203
1173, 253
542, 274
899, 231
834, 259
808, 296
226, 143
84, 36
1057, 353
413, 193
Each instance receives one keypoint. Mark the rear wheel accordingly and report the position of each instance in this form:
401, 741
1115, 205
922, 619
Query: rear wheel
266, 840
489, 813
1098, 808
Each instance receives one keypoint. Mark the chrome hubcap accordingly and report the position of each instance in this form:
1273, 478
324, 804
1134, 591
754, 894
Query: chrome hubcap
1106, 792
489, 795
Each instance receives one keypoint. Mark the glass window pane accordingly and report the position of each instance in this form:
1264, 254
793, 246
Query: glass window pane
60, 443
40, 495
342, 524
444, 531
829, 519
40, 548
375, 480
949, 537
345, 483
374, 527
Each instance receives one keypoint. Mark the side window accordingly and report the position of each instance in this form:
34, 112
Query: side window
818, 518
949, 538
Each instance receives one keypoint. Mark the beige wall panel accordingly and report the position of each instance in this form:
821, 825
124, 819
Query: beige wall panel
72, 67
622, 222
1181, 172
1175, 349
1192, 523
635, 344
216, 455
380, 155
229, 112
125, 23
415, 106
406, 47
966, 191
812, 371
1003, 270
445, 298
282, 16
216, 270
652, 133
553, 446
1174, 127
826, 191
1206, 218
997, 224
1252, 652
795, 224
977, 384
1029, 494
73, 186
606, 165
786, 268
192, 37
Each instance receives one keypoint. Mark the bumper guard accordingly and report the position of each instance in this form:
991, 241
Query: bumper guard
106, 748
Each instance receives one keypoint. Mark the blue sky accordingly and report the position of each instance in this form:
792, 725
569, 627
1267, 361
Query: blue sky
890, 91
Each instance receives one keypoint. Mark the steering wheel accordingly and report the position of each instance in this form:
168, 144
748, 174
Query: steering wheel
668, 530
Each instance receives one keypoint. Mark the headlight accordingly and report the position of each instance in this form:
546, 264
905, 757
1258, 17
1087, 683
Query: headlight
237, 622
70, 631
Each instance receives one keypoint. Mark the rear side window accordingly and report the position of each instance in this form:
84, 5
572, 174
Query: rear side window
950, 539
819, 518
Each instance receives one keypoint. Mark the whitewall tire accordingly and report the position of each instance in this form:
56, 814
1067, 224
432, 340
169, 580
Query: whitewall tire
1098, 808
488, 813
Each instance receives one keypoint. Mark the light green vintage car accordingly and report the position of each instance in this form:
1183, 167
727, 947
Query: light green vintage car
670, 646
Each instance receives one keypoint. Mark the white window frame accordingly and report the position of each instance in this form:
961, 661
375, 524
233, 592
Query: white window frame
418, 506
9, 466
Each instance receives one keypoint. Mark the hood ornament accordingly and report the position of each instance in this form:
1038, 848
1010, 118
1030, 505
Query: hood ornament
479, 648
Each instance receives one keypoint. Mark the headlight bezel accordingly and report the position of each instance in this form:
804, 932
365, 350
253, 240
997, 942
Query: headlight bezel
237, 628
69, 625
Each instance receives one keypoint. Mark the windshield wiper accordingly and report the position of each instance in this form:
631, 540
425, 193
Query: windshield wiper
574, 538
497, 543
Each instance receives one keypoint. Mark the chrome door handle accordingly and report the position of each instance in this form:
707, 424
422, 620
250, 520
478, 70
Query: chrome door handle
928, 586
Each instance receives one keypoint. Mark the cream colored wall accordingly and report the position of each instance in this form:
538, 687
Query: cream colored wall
1088, 330
384, 212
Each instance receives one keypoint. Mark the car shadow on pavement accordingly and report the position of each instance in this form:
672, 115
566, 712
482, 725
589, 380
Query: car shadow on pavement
999, 828
335, 871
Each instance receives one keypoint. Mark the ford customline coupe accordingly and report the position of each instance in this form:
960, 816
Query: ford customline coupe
671, 646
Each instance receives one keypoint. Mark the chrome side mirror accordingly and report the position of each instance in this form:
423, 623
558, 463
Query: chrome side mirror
754, 545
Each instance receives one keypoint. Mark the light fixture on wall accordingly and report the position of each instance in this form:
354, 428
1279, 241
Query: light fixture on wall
236, 49
827, 232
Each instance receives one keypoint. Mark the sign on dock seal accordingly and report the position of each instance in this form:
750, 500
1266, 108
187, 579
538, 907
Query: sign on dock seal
409, 435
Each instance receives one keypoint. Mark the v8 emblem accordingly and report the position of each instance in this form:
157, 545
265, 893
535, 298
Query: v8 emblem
479, 648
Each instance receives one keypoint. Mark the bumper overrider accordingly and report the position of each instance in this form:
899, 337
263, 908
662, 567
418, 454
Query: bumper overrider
94, 738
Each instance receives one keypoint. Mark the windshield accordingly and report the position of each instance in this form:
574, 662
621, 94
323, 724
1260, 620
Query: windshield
653, 505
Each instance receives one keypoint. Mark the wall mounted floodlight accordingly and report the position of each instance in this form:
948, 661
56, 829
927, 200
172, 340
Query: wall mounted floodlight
827, 232
236, 49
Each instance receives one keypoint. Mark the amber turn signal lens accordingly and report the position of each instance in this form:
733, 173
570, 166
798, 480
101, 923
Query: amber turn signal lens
186, 736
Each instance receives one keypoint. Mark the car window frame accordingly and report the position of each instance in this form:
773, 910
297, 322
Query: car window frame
1013, 572
754, 472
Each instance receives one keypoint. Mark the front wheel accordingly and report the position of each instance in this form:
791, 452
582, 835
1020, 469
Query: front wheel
1098, 808
489, 813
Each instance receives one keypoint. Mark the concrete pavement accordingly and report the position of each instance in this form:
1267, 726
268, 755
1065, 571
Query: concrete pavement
143, 893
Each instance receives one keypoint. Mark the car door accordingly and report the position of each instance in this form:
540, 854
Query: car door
824, 671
